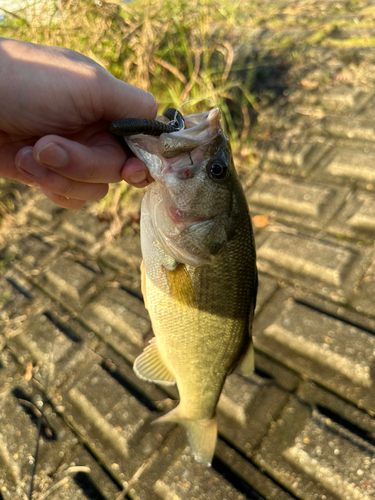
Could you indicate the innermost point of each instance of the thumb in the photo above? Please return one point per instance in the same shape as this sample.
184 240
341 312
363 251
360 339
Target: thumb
122 100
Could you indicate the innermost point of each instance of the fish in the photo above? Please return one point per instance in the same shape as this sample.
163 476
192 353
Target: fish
199 276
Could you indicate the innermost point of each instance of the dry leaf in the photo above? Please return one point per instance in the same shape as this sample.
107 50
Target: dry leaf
29 372
260 220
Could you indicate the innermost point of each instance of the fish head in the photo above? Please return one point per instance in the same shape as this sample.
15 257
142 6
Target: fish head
190 206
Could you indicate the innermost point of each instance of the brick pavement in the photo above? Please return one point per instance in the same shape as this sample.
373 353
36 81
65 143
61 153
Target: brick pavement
303 425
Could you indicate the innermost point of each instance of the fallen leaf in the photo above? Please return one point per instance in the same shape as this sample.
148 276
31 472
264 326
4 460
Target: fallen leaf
260 220
29 372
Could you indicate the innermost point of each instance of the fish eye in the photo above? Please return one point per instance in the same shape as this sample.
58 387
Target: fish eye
218 169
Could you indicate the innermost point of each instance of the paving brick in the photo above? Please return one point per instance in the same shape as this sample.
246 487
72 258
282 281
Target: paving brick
363 296
186 478
343 98
336 352
17 445
119 318
9 371
53 344
315 452
277 373
44 211
80 478
151 395
35 251
290 158
266 288
246 408
68 282
16 299
82 230
294 202
112 422
124 255
356 166
235 467
357 218
339 100
359 128
173 473
19 414
324 266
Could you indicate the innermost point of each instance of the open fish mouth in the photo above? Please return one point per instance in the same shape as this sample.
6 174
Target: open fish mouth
180 151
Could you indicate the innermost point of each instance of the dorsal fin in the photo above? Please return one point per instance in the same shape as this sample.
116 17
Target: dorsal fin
150 366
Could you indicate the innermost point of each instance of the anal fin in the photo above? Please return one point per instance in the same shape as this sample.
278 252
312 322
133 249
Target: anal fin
150 366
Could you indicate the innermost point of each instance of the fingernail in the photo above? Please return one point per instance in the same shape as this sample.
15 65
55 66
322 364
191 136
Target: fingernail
137 177
29 167
52 155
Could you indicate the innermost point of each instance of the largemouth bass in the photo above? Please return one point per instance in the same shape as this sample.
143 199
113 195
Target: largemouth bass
199 277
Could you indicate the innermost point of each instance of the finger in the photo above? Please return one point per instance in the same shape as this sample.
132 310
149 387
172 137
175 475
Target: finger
136 173
99 160
122 100
58 184
63 201
7 162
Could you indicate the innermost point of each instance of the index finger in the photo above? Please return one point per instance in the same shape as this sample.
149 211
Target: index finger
98 161
122 100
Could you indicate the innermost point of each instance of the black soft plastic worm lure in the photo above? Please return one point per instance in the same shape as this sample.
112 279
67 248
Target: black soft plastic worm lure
132 126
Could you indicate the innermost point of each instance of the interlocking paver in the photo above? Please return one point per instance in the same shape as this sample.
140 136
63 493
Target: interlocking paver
247 408
320 264
68 282
316 452
114 424
119 318
81 230
356 219
81 478
322 344
295 202
19 413
43 212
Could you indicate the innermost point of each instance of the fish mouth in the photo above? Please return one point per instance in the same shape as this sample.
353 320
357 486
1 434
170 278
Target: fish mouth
179 152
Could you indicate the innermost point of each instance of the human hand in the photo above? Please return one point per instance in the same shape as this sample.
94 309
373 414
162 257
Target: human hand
56 109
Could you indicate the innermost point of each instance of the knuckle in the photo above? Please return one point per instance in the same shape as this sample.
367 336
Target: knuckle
101 192
66 189
89 174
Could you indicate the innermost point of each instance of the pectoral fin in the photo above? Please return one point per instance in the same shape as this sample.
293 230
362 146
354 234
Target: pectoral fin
150 366
246 365
181 286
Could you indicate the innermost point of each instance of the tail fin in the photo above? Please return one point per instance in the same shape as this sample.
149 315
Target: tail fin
202 434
